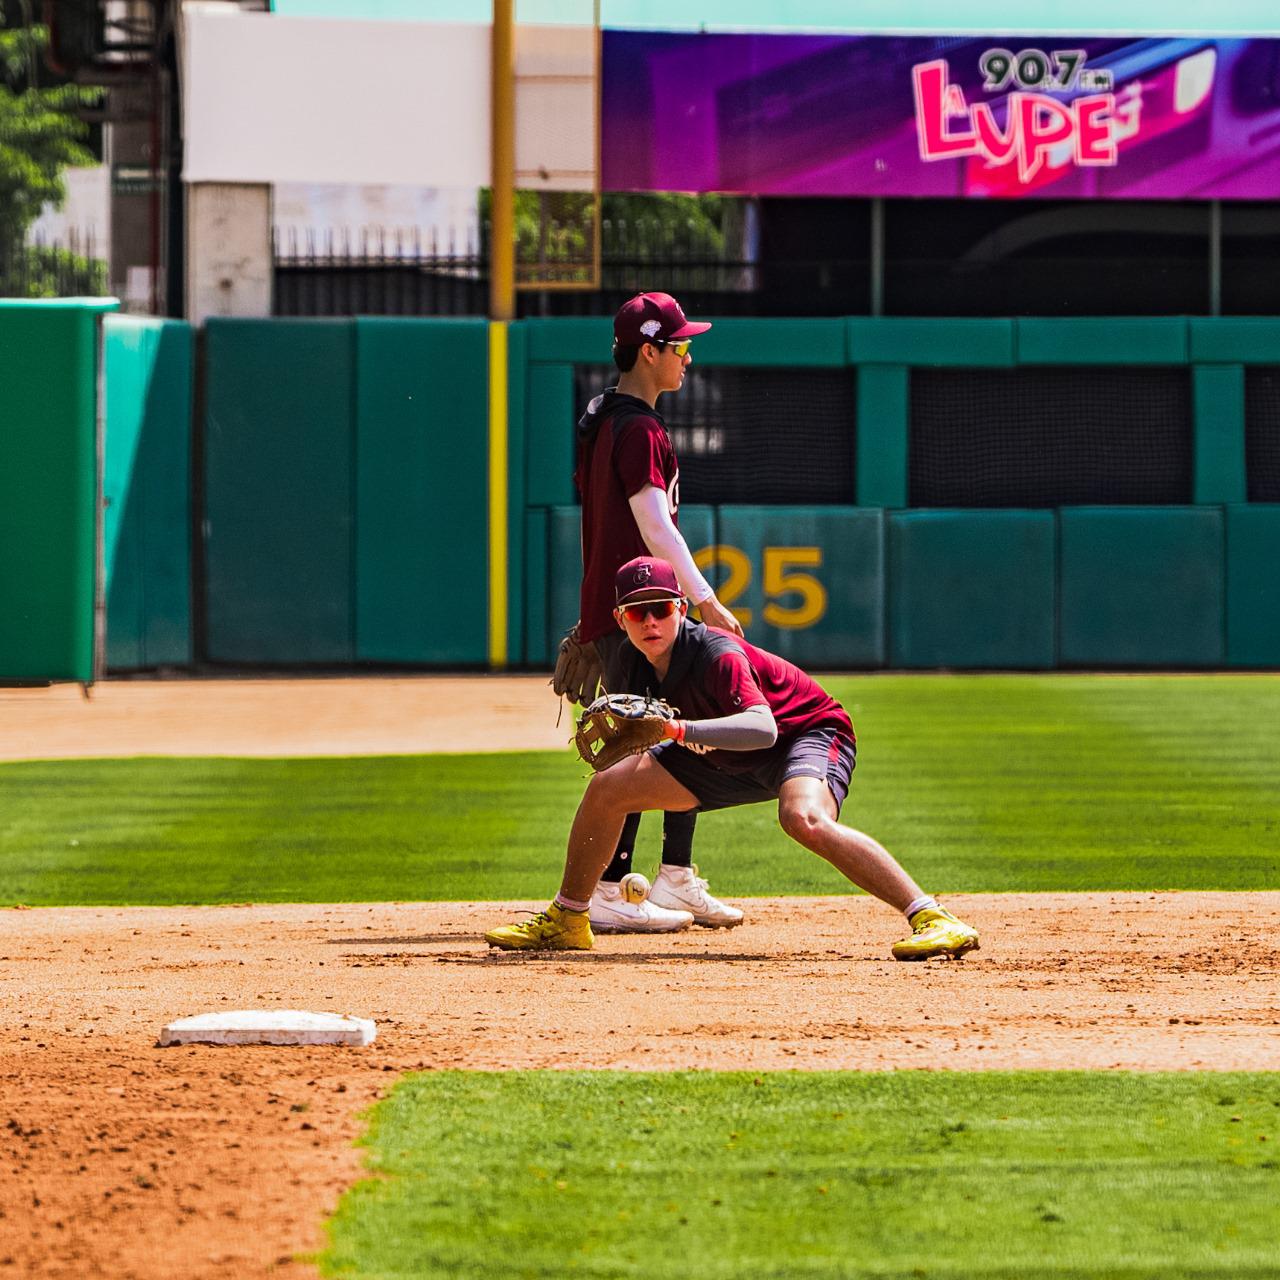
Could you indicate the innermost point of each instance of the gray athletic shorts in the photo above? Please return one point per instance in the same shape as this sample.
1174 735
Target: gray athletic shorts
828 754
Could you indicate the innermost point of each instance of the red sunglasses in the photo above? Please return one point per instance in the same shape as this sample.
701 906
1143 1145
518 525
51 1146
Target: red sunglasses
656 608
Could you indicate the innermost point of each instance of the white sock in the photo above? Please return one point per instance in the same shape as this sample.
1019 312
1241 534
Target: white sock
570 904
927 900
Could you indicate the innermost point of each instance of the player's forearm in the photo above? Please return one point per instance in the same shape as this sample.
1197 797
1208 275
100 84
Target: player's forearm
665 541
751 730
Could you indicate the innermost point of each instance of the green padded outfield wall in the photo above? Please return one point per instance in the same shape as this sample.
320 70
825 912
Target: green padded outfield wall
1253 585
278 491
147 491
806 583
1141 587
346 492
48 488
561 529
421 514
972 589
1114 587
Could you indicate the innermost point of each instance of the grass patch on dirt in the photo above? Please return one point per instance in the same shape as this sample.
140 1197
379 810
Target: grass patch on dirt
977 783
892 1176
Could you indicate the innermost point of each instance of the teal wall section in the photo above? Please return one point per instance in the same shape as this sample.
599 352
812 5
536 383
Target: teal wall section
972 589
900 340
537 649
698 525
1113 588
884 407
1253 586
517 488
1234 340
549 440
564 571
278 448
812 581
1103 341
1219 463
147 492
793 343
48 488
346 492
344 489
1141 587
871 17
554 595
421 491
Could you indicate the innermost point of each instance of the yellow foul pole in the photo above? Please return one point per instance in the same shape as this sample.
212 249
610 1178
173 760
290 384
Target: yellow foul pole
502 238
502 309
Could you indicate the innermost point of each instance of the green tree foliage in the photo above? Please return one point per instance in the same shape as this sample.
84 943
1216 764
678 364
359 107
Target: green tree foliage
554 229
40 134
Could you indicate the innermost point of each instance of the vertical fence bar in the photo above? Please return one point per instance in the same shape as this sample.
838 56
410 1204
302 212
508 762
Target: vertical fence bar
1215 257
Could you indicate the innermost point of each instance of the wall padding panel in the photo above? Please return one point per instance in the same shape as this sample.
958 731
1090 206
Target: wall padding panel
564 562
48 489
972 589
421 491
1141 587
278 440
147 491
808 581
1253 586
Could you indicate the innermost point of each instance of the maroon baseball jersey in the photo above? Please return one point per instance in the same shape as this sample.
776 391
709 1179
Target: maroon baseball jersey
622 446
714 673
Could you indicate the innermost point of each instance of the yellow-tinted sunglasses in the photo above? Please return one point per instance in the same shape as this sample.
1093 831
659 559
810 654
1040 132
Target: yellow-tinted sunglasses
681 348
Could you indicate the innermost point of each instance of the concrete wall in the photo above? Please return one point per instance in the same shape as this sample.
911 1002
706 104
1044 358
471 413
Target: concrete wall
228 250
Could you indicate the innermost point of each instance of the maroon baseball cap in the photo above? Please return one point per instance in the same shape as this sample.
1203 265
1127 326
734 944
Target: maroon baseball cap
648 578
653 317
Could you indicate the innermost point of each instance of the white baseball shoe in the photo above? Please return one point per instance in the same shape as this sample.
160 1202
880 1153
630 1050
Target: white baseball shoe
682 889
610 912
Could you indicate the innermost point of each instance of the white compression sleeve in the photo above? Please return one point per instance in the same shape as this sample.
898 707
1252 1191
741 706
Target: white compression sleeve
749 730
664 540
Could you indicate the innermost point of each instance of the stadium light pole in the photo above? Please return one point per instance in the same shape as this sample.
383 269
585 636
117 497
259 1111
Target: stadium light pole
502 230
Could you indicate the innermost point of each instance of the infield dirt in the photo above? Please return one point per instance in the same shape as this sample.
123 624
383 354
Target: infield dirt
122 1159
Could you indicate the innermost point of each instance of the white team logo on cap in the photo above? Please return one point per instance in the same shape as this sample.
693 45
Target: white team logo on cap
642 574
650 327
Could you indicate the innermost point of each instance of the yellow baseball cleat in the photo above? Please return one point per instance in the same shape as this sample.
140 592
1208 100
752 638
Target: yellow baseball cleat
555 929
936 932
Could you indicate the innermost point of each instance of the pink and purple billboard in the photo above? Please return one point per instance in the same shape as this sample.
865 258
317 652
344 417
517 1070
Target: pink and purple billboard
1006 117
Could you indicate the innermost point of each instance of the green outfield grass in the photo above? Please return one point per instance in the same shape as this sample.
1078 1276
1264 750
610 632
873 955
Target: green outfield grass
909 1175
978 783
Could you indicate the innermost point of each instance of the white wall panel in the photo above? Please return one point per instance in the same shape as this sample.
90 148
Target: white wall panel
268 98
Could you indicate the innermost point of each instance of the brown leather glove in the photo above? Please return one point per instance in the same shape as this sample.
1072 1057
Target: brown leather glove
578 669
617 725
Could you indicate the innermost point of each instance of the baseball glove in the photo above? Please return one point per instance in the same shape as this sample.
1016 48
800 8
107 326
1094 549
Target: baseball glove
617 725
578 669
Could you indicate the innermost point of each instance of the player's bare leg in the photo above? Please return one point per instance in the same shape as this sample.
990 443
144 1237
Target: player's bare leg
634 785
631 786
807 812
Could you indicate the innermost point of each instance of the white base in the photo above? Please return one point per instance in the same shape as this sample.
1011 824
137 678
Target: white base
269 1026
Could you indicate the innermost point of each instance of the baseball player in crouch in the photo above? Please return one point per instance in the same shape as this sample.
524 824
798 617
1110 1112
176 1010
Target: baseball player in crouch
757 728
629 481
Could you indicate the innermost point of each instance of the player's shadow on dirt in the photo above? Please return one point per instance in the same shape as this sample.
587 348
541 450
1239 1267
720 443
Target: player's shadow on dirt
604 957
412 939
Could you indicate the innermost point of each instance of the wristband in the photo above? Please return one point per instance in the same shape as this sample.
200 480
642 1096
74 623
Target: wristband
675 730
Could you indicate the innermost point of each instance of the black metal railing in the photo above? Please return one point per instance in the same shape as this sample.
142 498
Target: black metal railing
376 271
65 268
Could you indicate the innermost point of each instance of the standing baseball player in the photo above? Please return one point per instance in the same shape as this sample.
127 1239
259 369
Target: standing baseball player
629 481
758 728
